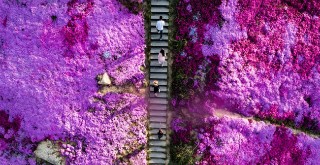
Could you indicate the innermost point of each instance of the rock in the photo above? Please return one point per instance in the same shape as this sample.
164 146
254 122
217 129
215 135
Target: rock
48 151
105 79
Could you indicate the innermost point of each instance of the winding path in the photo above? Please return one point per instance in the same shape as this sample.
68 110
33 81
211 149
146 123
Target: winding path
157 149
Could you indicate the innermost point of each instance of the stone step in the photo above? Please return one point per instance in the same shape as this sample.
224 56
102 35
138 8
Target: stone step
159 70
156 17
158 101
157 155
158 119
158 113
157 149
160 95
158 76
159 43
158 143
158 125
162 89
157 50
157 107
155 31
155 137
156 37
159 3
159 9
161 82
155 63
155 131
154 23
157 161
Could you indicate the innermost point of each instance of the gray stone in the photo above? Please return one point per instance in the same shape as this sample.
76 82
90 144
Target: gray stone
158 113
158 101
156 37
158 125
158 69
105 79
49 151
158 119
157 149
159 3
159 43
160 95
157 161
158 107
159 9
157 143
157 155
158 75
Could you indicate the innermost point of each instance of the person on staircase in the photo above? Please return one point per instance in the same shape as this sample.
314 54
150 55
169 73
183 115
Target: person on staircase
162 57
159 26
160 133
156 88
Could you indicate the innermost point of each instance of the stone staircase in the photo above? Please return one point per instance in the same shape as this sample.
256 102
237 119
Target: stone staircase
157 151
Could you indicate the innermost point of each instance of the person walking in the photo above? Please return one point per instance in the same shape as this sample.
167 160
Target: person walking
160 133
156 88
159 26
162 57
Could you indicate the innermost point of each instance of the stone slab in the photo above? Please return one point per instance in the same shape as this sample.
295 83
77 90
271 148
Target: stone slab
159 9
157 161
158 143
160 43
157 155
158 125
160 95
158 101
158 113
158 119
158 107
157 149
159 3
156 37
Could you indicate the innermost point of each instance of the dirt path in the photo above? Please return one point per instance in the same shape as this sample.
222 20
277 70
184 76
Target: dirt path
123 89
224 113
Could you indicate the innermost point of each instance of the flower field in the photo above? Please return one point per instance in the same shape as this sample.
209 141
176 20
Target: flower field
241 141
258 59
50 55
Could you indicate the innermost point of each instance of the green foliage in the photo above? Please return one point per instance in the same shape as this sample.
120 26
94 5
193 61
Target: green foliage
178 45
307 126
180 84
182 153
134 7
